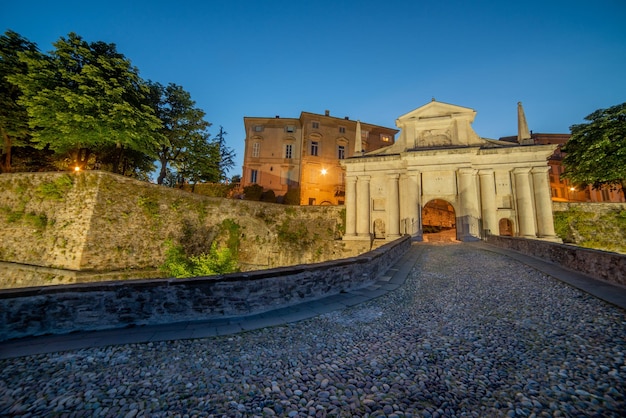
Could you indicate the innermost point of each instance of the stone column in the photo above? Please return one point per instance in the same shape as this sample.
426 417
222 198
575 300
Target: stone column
363 207
350 206
470 213
410 200
543 203
488 201
524 200
393 207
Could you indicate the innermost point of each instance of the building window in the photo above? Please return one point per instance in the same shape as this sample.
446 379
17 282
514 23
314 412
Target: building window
288 150
313 175
256 148
314 148
258 128
315 125
253 176
341 152
365 135
290 129
342 129
385 138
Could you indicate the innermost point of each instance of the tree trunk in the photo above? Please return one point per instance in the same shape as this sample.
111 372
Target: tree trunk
118 159
163 171
5 166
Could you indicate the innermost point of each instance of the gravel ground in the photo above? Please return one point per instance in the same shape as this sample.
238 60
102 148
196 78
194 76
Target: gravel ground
471 333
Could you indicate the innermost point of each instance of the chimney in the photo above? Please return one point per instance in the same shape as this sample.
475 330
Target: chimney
277 117
327 112
347 118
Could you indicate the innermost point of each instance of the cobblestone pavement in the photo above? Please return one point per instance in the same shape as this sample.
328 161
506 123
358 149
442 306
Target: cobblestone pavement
471 333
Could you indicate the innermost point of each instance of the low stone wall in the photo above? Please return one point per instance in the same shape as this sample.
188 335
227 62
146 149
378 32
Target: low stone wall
95 306
601 265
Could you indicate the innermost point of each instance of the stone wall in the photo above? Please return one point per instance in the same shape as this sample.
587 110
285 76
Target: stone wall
97 222
94 306
601 265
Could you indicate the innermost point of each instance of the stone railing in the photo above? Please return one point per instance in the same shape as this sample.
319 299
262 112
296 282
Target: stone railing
95 306
598 264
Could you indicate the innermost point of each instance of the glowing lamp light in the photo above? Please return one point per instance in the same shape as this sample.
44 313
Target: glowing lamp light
324 171
572 188
77 169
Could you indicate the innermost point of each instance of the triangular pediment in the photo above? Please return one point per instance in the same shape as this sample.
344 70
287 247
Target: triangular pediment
436 109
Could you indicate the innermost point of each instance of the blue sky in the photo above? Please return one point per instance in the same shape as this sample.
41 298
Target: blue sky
369 60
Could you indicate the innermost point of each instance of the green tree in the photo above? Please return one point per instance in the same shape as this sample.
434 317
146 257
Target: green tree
13 117
226 154
84 98
183 125
596 151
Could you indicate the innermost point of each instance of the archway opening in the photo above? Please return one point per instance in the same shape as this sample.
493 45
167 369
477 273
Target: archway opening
438 221
505 227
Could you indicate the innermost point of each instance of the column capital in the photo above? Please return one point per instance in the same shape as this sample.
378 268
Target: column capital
364 178
392 176
486 172
540 169
521 170
467 171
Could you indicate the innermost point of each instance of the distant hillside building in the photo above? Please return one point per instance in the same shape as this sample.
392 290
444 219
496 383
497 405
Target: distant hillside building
561 189
304 153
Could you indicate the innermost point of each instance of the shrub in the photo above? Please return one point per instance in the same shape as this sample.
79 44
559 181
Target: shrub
217 261
252 192
268 196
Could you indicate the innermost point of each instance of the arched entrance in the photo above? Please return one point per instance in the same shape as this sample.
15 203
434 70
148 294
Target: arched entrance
505 227
438 221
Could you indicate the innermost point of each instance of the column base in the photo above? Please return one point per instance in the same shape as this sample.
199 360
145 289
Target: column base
551 238
356 238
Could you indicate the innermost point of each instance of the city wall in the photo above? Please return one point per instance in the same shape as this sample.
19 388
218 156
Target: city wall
95 306
602 265
61 228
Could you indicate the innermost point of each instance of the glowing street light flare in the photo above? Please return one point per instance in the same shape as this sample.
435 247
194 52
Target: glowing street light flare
324 171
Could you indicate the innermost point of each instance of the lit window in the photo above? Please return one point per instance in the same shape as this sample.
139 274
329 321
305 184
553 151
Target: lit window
256 148
314 148
385 138
342 129
288 150
253 176
315 125
341 152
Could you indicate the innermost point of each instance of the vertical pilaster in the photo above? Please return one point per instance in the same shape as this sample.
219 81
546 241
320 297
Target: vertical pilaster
350 206
524 200
393 207
543 202
363 207
470 213
488 201
410 193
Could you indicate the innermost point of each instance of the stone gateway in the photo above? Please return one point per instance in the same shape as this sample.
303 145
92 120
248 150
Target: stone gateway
492 187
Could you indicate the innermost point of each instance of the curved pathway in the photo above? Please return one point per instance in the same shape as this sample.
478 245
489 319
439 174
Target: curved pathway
470 333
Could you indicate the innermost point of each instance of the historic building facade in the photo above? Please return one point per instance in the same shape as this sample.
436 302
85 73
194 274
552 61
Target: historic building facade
304 154
562 190
440 163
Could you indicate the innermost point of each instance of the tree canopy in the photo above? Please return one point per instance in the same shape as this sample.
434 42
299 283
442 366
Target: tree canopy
13 117
83 104
183 125
86 97
596 151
